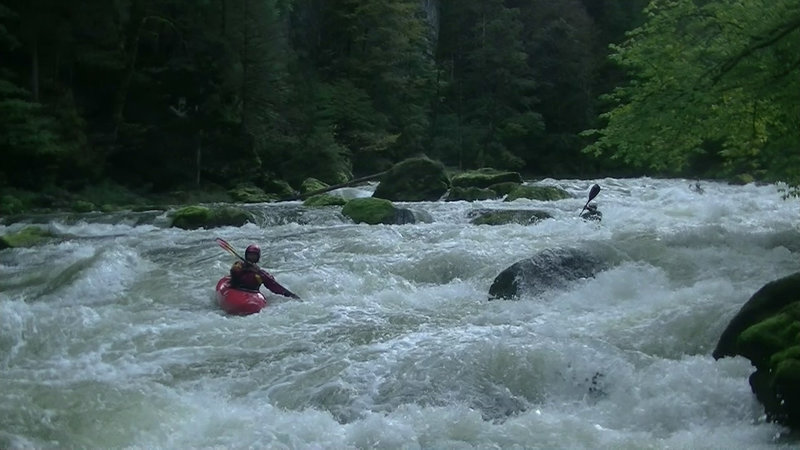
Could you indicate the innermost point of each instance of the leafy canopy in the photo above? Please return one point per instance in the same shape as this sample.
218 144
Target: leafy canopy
709 78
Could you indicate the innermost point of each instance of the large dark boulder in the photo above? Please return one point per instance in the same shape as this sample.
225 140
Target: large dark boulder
550 269
764 304
414 180
766 330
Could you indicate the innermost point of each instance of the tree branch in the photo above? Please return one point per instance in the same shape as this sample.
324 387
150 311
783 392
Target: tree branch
777 35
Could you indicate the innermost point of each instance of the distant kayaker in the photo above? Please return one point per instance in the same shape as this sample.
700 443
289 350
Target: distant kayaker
592 213
247 275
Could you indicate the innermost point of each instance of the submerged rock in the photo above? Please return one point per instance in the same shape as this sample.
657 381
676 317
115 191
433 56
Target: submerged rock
470 194
324 200
374 211
193 217
550 269
506 216
766 330
371 211
484 178
26 237
543 193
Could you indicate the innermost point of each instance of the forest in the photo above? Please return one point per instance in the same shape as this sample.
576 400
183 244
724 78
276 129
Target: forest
164 95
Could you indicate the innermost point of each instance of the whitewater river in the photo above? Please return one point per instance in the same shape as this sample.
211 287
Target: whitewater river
109 335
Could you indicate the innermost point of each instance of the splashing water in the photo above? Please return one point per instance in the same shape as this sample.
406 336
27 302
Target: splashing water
109 336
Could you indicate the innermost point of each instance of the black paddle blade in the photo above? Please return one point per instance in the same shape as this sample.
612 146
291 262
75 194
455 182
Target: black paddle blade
592 194
594 191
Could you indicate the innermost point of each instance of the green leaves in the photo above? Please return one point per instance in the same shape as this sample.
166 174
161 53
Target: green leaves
724 72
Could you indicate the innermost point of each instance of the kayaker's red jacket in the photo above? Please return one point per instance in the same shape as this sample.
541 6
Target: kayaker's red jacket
251 277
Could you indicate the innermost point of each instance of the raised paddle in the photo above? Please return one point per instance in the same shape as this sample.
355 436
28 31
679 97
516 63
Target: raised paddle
227 247
592 194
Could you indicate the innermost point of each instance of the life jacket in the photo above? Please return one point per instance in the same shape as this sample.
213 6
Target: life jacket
246 276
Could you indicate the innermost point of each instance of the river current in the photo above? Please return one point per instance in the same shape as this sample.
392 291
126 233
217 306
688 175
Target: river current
110 338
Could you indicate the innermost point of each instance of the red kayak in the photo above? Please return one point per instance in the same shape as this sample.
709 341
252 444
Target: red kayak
238 301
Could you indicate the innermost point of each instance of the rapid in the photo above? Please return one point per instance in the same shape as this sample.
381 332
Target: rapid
110 338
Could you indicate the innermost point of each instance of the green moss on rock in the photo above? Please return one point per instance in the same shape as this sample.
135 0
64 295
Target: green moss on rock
370 210
280 188
504 188
26 237
312 185
485 177
768 301
193 217
543 193
324 200
470 194
250 194
767 332
770 336
82 206
786 366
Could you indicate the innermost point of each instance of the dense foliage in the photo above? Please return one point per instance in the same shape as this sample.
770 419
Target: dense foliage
715 87
176 93
162 94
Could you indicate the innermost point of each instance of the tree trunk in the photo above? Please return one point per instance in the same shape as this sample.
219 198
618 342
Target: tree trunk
131 50
35 67
199 157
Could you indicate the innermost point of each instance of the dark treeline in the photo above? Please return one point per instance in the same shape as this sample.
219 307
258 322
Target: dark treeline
160 94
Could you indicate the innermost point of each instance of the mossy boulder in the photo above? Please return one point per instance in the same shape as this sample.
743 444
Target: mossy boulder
504 188
324 200
312 185
250 194
414 180
371 211
766 330
485 177
543 193
83 206
506 216
278 187
194 217
470 194
26 237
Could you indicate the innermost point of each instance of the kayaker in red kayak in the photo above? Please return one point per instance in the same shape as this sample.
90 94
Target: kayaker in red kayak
247 275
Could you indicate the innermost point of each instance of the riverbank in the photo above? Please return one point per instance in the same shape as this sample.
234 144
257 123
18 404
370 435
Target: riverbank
104 197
